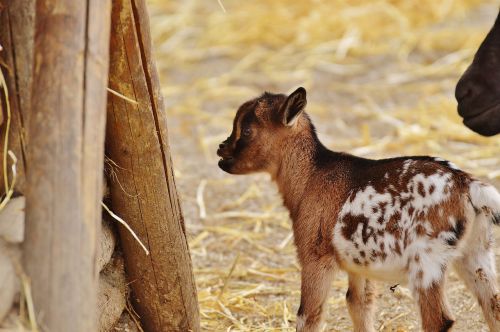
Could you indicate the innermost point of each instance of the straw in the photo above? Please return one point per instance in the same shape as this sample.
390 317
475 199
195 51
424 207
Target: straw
131 231
380 77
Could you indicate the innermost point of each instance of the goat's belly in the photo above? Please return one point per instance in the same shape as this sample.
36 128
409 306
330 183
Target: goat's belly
392 270
388 258
373 260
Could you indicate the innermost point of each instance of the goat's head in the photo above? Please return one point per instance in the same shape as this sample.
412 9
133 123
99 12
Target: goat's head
260 127
478 90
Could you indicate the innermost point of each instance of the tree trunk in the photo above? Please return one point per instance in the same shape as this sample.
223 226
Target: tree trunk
144 192
65 158
16 59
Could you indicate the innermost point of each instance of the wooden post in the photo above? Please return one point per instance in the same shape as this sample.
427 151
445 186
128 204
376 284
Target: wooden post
16 38
64 158
164 291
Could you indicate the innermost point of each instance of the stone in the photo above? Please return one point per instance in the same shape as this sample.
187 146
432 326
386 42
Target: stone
12 220
112 294
9 285
125 324
107 243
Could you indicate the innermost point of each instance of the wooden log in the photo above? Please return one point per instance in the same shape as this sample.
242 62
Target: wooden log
164 291
16 60
65 158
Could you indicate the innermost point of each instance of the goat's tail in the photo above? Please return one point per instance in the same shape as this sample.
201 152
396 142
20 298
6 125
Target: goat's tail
485 197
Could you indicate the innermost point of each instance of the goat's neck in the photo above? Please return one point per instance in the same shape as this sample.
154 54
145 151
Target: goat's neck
295 169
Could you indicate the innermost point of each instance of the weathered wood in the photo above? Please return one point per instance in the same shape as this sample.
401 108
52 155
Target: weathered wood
16 60
164 291
64 154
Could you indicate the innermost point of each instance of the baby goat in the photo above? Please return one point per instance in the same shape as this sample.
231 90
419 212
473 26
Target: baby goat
402 220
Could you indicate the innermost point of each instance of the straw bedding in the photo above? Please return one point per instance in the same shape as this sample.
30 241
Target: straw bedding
380 77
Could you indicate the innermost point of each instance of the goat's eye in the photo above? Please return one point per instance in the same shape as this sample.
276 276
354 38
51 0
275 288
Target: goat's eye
246 132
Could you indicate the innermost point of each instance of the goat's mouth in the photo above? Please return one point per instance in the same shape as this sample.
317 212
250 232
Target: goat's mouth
225 163
226 159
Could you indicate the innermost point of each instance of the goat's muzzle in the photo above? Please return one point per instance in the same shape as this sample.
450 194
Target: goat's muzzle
227 160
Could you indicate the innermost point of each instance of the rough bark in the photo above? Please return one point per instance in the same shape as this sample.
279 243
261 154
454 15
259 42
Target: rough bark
16 59
164 291
65 152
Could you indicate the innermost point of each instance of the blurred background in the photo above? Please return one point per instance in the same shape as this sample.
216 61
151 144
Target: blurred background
380 77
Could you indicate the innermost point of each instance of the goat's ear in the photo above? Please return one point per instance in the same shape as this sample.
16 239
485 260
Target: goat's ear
293 106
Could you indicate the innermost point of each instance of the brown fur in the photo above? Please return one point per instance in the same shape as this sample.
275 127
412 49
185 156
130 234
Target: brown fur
272 134
434 309
360 299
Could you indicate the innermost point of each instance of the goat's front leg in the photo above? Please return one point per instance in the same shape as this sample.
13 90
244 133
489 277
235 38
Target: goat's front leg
361 303
316 281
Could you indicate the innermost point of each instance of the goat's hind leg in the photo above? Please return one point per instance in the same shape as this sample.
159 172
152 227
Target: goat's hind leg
361 303
433 307
477 270
427 285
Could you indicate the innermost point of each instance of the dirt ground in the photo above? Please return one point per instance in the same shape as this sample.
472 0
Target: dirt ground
394 99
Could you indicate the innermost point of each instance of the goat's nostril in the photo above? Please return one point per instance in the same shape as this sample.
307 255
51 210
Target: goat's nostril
222 145
466 90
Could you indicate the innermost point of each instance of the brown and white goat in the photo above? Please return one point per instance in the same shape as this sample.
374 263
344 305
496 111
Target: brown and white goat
402 220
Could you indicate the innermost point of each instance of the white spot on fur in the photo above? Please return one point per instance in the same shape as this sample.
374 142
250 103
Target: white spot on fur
484 196
448 163
406 166
433 256
440 182
392 255
363 202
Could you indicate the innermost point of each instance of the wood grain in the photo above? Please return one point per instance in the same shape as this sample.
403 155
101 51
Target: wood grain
65 157
164 291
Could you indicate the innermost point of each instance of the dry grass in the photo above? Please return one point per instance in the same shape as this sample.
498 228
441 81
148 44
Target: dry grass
26 317
9 190
380 76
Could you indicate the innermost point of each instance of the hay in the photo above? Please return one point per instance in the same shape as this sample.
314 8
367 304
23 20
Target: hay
6 152
28 300
127 227
116 93
380 77
5 90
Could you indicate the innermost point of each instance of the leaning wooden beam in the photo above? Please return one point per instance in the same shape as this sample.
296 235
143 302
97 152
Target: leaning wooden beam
144 192
16 59
64 158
